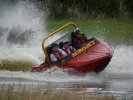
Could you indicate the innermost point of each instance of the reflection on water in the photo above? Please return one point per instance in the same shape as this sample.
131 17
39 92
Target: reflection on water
120 88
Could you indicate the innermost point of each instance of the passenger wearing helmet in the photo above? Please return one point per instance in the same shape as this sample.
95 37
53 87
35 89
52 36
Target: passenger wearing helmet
78 40
57 54
67 48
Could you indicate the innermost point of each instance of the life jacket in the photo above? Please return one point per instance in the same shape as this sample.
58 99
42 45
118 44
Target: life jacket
58 55
68 50
80 41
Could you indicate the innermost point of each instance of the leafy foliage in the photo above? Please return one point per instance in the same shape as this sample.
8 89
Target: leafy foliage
89 8
84 9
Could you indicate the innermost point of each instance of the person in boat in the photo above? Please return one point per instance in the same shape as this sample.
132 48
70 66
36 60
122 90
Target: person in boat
78 39
67 48
57 53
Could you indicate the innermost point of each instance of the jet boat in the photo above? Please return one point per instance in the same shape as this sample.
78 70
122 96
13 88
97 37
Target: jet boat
95 55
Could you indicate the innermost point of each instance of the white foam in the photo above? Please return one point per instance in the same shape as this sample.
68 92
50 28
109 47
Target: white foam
23 16
121 63
34 55
52 75
122 60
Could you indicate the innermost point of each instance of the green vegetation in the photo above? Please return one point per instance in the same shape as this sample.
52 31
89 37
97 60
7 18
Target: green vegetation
49 94
15 65
86 9
114 31
82 9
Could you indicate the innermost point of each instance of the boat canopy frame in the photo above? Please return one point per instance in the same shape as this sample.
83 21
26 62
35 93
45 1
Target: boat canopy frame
53 33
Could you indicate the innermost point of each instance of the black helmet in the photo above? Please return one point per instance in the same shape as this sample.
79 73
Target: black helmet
54 45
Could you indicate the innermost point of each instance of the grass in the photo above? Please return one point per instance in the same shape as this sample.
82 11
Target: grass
15 65
10 93
115 31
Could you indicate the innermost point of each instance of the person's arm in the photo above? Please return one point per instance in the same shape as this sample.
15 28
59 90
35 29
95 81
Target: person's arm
53 58
63 52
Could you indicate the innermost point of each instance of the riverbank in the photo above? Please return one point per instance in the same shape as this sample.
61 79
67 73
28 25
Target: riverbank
114 31
15 65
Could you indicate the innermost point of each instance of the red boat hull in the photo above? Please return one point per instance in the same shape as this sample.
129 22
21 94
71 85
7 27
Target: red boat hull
94 58
96 67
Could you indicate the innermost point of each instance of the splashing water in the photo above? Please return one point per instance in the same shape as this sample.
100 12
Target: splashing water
120 66
21 24
21 29
121 62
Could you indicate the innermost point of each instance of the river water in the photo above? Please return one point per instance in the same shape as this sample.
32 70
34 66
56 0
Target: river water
116 79
17 23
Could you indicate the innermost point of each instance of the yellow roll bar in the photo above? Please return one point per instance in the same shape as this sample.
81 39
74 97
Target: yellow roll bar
52 33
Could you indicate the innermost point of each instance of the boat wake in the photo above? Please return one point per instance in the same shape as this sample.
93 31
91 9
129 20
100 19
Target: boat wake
119 67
